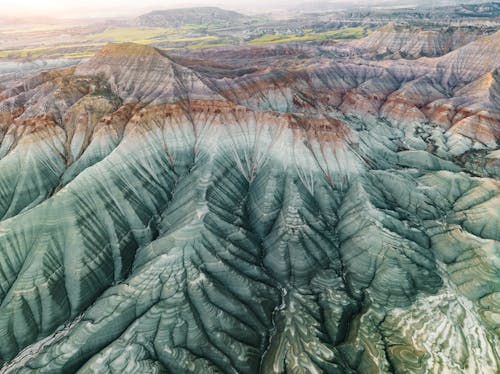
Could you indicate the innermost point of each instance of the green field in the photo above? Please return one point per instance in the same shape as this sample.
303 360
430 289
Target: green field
348 33
186 37
189 36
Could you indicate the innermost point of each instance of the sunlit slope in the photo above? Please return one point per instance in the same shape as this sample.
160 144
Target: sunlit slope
180 232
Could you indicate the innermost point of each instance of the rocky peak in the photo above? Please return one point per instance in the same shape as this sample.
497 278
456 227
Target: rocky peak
143 73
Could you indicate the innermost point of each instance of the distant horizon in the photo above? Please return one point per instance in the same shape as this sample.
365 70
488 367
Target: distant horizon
70 9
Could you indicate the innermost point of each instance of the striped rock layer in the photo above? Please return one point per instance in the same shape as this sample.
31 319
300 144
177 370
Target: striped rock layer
191 215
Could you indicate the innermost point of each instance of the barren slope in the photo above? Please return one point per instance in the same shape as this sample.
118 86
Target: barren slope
161 218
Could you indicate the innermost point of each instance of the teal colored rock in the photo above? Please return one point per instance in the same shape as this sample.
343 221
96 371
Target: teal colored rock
153 225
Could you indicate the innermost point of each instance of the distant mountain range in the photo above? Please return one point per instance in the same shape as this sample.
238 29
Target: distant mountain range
330 6
188 16
342 10
418 11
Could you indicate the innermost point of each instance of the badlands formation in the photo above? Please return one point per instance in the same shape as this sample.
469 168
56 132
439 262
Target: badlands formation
293 208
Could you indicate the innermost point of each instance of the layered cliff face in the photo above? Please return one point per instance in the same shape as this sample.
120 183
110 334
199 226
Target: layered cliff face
161 217
392 41
336 79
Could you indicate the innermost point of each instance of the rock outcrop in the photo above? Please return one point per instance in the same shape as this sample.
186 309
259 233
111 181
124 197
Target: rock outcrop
393 41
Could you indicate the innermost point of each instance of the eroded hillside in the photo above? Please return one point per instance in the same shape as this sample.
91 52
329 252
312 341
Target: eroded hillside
252 209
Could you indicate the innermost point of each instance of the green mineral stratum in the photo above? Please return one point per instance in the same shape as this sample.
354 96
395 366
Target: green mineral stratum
192 215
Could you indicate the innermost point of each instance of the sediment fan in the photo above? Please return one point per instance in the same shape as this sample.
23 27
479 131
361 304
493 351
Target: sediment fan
333 216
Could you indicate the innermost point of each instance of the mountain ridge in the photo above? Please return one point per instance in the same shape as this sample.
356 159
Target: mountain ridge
178 17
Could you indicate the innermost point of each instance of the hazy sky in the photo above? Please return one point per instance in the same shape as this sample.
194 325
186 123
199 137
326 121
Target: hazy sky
109 8
78 8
